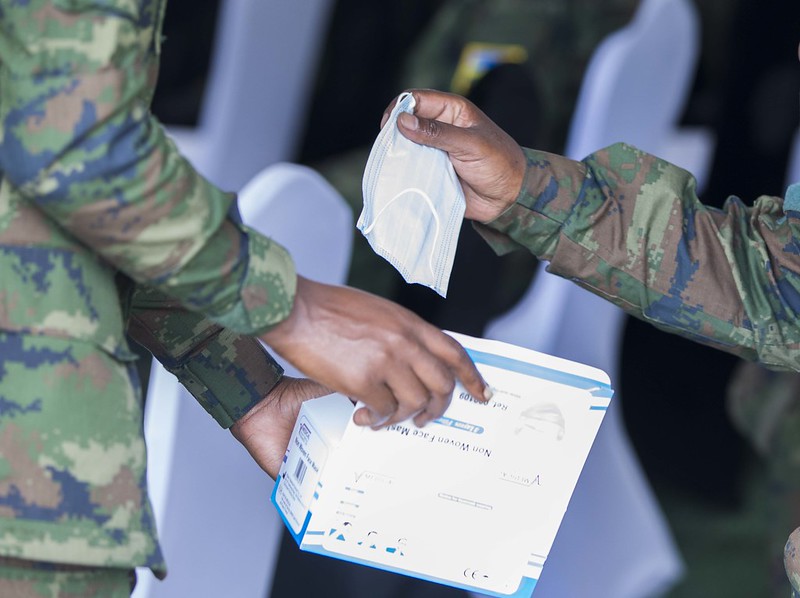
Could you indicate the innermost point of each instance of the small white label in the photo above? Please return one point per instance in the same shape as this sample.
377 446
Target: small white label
299 475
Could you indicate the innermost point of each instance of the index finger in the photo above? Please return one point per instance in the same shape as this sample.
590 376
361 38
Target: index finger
455 356
445 107
437 105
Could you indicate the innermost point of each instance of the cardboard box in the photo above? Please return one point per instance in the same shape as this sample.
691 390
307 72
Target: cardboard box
473 500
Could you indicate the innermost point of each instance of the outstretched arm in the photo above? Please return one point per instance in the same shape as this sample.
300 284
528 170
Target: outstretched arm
629 227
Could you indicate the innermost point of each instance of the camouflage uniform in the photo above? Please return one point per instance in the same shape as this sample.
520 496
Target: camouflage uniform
30 579
629 227
102 223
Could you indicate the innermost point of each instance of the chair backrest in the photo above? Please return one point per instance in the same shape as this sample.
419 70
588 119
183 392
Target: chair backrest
262 68
633 91
218 531
298 208
638 80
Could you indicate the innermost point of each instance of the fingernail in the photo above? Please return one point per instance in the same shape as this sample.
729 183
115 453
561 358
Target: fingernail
488 393
421 419
377 420
409 121
361 419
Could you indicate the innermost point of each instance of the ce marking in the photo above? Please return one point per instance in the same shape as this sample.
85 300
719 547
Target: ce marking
474 574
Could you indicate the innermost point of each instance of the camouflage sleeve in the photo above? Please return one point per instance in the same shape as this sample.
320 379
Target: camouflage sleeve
79 142
629 227
226 372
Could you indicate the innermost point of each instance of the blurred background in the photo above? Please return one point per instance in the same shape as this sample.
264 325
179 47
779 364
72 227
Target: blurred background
523 63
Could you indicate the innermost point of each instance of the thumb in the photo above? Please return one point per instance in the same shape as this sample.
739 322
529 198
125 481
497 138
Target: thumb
434 133
364 416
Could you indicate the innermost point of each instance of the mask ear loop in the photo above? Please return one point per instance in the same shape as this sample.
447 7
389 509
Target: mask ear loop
396 111
429 203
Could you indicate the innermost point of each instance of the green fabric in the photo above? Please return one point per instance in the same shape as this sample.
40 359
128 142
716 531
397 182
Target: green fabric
629 227
25 579
102 219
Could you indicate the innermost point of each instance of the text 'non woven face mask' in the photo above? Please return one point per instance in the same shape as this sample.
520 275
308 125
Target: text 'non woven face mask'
413 205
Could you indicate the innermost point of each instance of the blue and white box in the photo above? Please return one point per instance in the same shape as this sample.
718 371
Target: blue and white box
472 500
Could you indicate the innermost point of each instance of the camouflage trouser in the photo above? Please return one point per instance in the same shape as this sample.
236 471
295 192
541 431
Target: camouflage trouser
28 579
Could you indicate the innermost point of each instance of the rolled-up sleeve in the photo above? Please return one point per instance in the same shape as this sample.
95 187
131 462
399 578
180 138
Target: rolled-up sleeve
629 227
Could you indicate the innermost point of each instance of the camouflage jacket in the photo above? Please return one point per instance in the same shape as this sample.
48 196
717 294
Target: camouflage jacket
103 223
629 227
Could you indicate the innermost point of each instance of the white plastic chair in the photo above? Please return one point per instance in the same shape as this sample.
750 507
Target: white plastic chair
637 83
262 67
218 530
298 208
614 532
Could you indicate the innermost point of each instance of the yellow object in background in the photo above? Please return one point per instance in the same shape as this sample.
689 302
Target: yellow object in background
477 58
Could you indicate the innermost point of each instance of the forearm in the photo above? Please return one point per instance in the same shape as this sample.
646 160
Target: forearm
629 227
81 145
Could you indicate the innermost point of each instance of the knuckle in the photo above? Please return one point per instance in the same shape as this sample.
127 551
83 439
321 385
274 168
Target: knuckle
380 358
445 387
416 404
438 409
455 352
363 381
387 408
430 128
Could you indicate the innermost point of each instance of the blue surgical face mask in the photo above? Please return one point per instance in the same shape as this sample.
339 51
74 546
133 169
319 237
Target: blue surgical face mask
413 205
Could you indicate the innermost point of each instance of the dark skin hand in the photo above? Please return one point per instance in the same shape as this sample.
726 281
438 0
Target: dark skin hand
491 167
375 351
488 162
265 429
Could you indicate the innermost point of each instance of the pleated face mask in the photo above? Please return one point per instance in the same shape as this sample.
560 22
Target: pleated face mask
413 205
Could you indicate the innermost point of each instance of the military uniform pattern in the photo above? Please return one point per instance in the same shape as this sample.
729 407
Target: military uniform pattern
228 373
103 225
21 579
81 149
629 227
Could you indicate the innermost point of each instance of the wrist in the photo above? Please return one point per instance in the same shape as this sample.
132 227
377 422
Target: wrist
239 427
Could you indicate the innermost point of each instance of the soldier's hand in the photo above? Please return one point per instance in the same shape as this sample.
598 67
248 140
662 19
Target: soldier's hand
375 351
265 429
489 163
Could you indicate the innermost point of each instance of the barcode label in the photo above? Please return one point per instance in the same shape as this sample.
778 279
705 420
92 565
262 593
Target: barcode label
300 471
296 488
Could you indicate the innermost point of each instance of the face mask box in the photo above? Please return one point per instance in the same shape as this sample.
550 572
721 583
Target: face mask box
472 500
